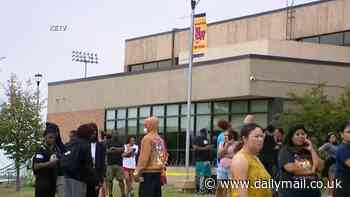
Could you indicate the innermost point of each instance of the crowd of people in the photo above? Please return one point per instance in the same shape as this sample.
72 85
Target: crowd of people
88 164
265 154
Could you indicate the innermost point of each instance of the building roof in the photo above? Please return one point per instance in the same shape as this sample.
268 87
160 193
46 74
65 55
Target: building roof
232 19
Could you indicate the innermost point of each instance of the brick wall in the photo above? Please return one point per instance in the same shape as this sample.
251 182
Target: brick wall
68 121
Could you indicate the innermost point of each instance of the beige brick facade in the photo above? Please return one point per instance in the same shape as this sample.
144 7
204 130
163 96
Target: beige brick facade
68 121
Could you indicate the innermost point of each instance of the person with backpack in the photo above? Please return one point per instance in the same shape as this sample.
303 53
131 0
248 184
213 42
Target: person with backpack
78 165
45 167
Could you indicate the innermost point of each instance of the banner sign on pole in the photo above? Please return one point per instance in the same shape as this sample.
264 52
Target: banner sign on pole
199 35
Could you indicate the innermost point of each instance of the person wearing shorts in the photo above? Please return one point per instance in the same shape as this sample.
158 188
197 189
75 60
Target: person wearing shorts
114 165
129 163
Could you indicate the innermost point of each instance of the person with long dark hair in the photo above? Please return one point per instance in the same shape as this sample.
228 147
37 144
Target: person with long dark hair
59 150
246 165
45 165
342 157
298 161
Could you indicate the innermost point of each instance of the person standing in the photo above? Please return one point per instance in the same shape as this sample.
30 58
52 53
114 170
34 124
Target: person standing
98 153
343 162
129 163
152 160
202 149
246 165
268 153
226 152
114 164
77 164
45 167
298 161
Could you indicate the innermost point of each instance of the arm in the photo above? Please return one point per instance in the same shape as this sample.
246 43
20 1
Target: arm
347 163
222 150
239 171
145 153
316 160
48 164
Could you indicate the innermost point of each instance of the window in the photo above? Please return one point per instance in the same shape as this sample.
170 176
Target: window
237 121
110 125
203 121
132 127
137 67
347 39
158 110
311 40
164 64
221 107
110 115
184 109
333 39
261 119
145 112
239 107
203 108
149 66
132 112
258 106
121 113
172 110
172 125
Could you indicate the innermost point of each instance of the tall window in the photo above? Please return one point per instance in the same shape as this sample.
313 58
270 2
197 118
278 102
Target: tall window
110 120
121 124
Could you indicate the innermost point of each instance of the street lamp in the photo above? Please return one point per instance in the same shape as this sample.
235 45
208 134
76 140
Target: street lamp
38 78
78 56
194 3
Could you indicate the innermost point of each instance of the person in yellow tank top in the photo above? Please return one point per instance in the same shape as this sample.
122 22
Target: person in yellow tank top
246 166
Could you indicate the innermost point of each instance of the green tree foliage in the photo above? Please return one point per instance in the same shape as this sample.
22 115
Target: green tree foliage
316 111
19 121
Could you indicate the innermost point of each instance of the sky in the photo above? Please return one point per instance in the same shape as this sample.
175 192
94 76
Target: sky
97 26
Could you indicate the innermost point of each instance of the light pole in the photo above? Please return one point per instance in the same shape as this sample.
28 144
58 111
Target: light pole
78 56
38 78
194 3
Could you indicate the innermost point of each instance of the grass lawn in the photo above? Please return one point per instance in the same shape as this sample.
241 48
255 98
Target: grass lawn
9 191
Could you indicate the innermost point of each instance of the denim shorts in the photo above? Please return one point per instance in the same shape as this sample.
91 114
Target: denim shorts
223 173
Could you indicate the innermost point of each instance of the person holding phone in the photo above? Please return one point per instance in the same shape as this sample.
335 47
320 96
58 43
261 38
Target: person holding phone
299 161
129 163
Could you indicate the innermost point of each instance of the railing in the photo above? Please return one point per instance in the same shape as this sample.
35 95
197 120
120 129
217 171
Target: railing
9 172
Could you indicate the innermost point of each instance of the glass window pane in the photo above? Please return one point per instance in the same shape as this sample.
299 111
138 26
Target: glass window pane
184 124
333 39
110 114
132 127
221 107
110 125
259 106
239 107
184 109
141 125
134 68
172 110
145 112
347 39
161 125
121 113
121 124
237 121
289 106
202 122
150 66
217 119
158 110
132 112
164 64
203 108
261 119
172 132
311 40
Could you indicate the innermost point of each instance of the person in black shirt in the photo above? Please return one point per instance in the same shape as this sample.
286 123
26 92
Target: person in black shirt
342 157
202 149
98 153
114 164
44 167
268 153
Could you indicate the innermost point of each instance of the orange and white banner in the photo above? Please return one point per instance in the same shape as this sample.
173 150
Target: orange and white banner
200 35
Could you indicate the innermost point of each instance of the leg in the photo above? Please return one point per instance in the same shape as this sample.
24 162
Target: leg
127 181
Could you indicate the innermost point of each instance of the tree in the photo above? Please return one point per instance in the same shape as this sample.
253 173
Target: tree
313 109
19 119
